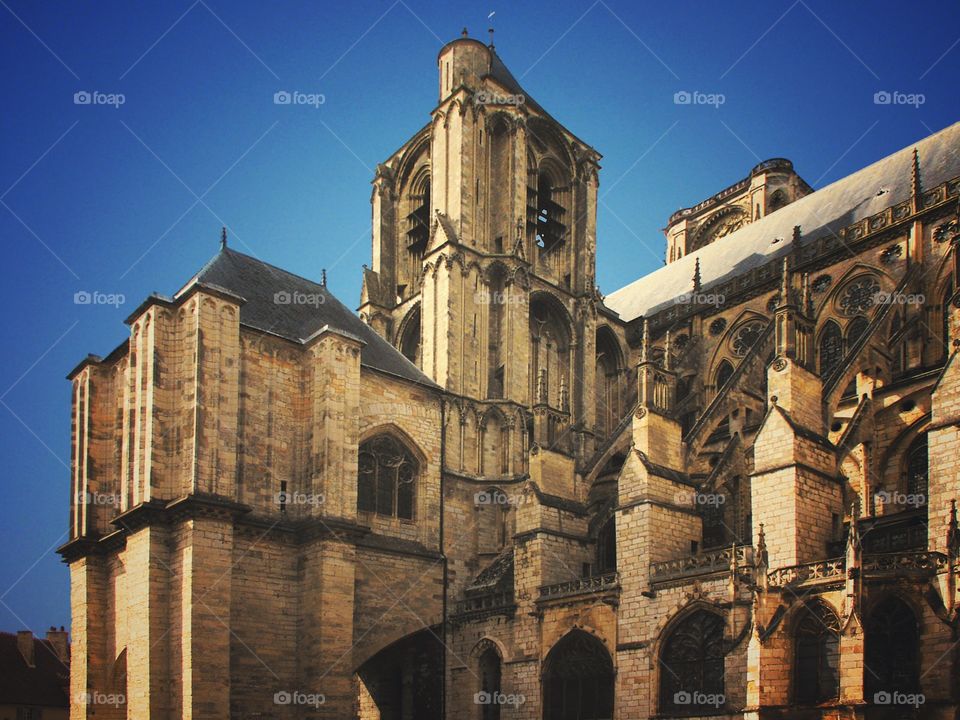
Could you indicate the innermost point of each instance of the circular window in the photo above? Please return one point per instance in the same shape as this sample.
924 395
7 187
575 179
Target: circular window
859 296
745 337
718 326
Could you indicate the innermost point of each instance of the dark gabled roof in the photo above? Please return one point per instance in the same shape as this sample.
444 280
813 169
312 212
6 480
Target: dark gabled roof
262 285
663 471
45 684
802 431
496 577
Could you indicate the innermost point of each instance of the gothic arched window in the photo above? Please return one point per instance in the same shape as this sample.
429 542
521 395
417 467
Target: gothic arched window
608 401
816 672
578 679
855 329
831 347
550 214
607 547
386 478
918 470
724 371
892 649
409 340
490 678
691 664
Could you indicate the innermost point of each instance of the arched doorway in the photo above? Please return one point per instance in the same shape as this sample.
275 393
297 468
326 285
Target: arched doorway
578 679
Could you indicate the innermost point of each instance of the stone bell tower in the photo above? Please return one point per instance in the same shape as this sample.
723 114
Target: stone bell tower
484 238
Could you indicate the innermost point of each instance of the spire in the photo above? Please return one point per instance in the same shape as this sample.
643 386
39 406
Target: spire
645 354
490 30
762 556
696 276
666 352
323 277
464 33
761 560
542 386
223 238
785 284
916 185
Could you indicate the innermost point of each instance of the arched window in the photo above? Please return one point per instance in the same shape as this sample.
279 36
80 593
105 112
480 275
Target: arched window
550 350
409 340
917 470
855 329
831 347
418 220
724 371
387 475
691 664
816 676
550 214
607 393
578 679
892 649
607 547
490 679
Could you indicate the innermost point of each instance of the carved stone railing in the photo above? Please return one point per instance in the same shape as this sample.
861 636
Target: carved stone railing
485 604
593 585
922 562
820 571
704 563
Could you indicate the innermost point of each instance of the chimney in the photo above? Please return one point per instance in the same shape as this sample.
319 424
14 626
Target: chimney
25 646
60 642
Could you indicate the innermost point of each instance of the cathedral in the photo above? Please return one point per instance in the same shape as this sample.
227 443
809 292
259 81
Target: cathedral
726 490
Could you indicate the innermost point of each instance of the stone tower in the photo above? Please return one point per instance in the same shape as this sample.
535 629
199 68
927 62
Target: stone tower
484 240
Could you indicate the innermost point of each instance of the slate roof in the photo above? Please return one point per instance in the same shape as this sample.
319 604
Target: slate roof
44 684
857 196
258 284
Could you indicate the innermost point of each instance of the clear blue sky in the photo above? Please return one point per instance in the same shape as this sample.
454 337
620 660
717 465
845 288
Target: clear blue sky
104 198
